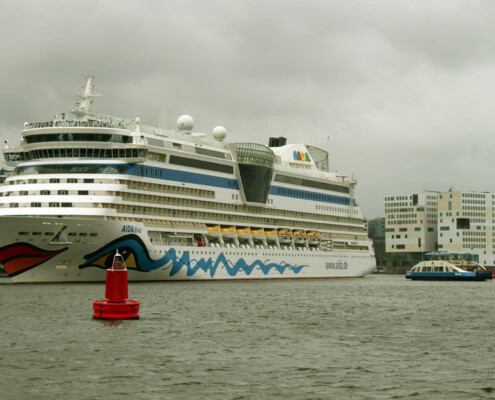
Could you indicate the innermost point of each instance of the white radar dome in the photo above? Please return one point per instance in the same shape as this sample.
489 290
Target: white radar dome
219 133
185 123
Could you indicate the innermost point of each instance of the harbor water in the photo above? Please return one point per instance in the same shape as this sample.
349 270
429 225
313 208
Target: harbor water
380 337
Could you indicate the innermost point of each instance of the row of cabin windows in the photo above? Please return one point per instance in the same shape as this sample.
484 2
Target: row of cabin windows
37 204
77 153
52 180
432 269
78 137
301 194
92 234
59 192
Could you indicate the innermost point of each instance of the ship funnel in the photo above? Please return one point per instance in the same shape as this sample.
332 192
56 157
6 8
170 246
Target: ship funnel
277 142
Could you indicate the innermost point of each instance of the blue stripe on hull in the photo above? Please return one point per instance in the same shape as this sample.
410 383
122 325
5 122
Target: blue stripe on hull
218 181
446 276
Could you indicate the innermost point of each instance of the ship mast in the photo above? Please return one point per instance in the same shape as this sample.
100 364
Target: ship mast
85 96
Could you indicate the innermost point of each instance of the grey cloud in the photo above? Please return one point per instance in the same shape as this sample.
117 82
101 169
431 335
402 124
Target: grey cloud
399 92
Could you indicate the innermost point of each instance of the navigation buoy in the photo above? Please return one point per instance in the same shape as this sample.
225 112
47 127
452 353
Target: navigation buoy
116 305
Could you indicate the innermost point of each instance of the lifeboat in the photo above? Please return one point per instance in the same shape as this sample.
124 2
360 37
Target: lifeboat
314 235
257 233
299 236
284 235
214 230
228 231
271 234
243 231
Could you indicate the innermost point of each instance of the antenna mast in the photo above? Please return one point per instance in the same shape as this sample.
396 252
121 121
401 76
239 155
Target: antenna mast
85 96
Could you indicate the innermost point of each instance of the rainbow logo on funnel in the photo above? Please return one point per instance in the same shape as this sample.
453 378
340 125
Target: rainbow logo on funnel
300 156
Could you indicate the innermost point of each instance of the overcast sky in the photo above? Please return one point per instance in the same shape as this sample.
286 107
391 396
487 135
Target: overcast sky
400 93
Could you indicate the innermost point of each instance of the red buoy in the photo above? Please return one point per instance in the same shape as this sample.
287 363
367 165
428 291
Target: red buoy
116 305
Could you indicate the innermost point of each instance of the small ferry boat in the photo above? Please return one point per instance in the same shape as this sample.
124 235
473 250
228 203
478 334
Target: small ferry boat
449 266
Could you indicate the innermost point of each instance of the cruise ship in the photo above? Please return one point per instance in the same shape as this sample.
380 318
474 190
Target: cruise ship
177 204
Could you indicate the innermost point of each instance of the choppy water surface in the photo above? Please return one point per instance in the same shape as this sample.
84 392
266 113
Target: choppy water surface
381 337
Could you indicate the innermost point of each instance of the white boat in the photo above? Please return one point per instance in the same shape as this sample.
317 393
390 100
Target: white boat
449 266
177 204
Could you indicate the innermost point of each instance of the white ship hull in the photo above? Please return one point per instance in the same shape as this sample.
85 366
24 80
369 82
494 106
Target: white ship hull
177 204
29 254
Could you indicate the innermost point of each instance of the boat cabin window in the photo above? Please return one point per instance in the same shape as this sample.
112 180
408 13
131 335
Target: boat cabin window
426 269
438 269
78 137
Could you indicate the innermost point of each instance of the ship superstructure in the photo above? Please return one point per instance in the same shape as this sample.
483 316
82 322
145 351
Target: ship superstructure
177 204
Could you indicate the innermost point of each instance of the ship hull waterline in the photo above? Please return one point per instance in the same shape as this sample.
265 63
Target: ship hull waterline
30 254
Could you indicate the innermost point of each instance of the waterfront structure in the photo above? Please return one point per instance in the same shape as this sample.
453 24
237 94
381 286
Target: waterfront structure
411 223
466 223
176 204
452 221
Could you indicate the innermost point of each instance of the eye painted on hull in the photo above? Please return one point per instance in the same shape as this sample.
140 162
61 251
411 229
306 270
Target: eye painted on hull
106 260
17 258
132 249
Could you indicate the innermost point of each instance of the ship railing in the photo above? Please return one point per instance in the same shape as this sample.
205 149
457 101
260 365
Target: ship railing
76 124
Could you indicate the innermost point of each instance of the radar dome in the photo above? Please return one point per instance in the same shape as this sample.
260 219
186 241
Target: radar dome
219 133
185 123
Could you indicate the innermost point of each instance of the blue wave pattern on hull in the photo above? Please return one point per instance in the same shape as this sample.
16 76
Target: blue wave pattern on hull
207 265
136 257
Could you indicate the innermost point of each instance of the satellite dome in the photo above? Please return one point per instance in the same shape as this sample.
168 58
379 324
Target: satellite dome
185 123
219 133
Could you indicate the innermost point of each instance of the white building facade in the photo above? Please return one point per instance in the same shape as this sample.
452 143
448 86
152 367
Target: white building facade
466 223
411 223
